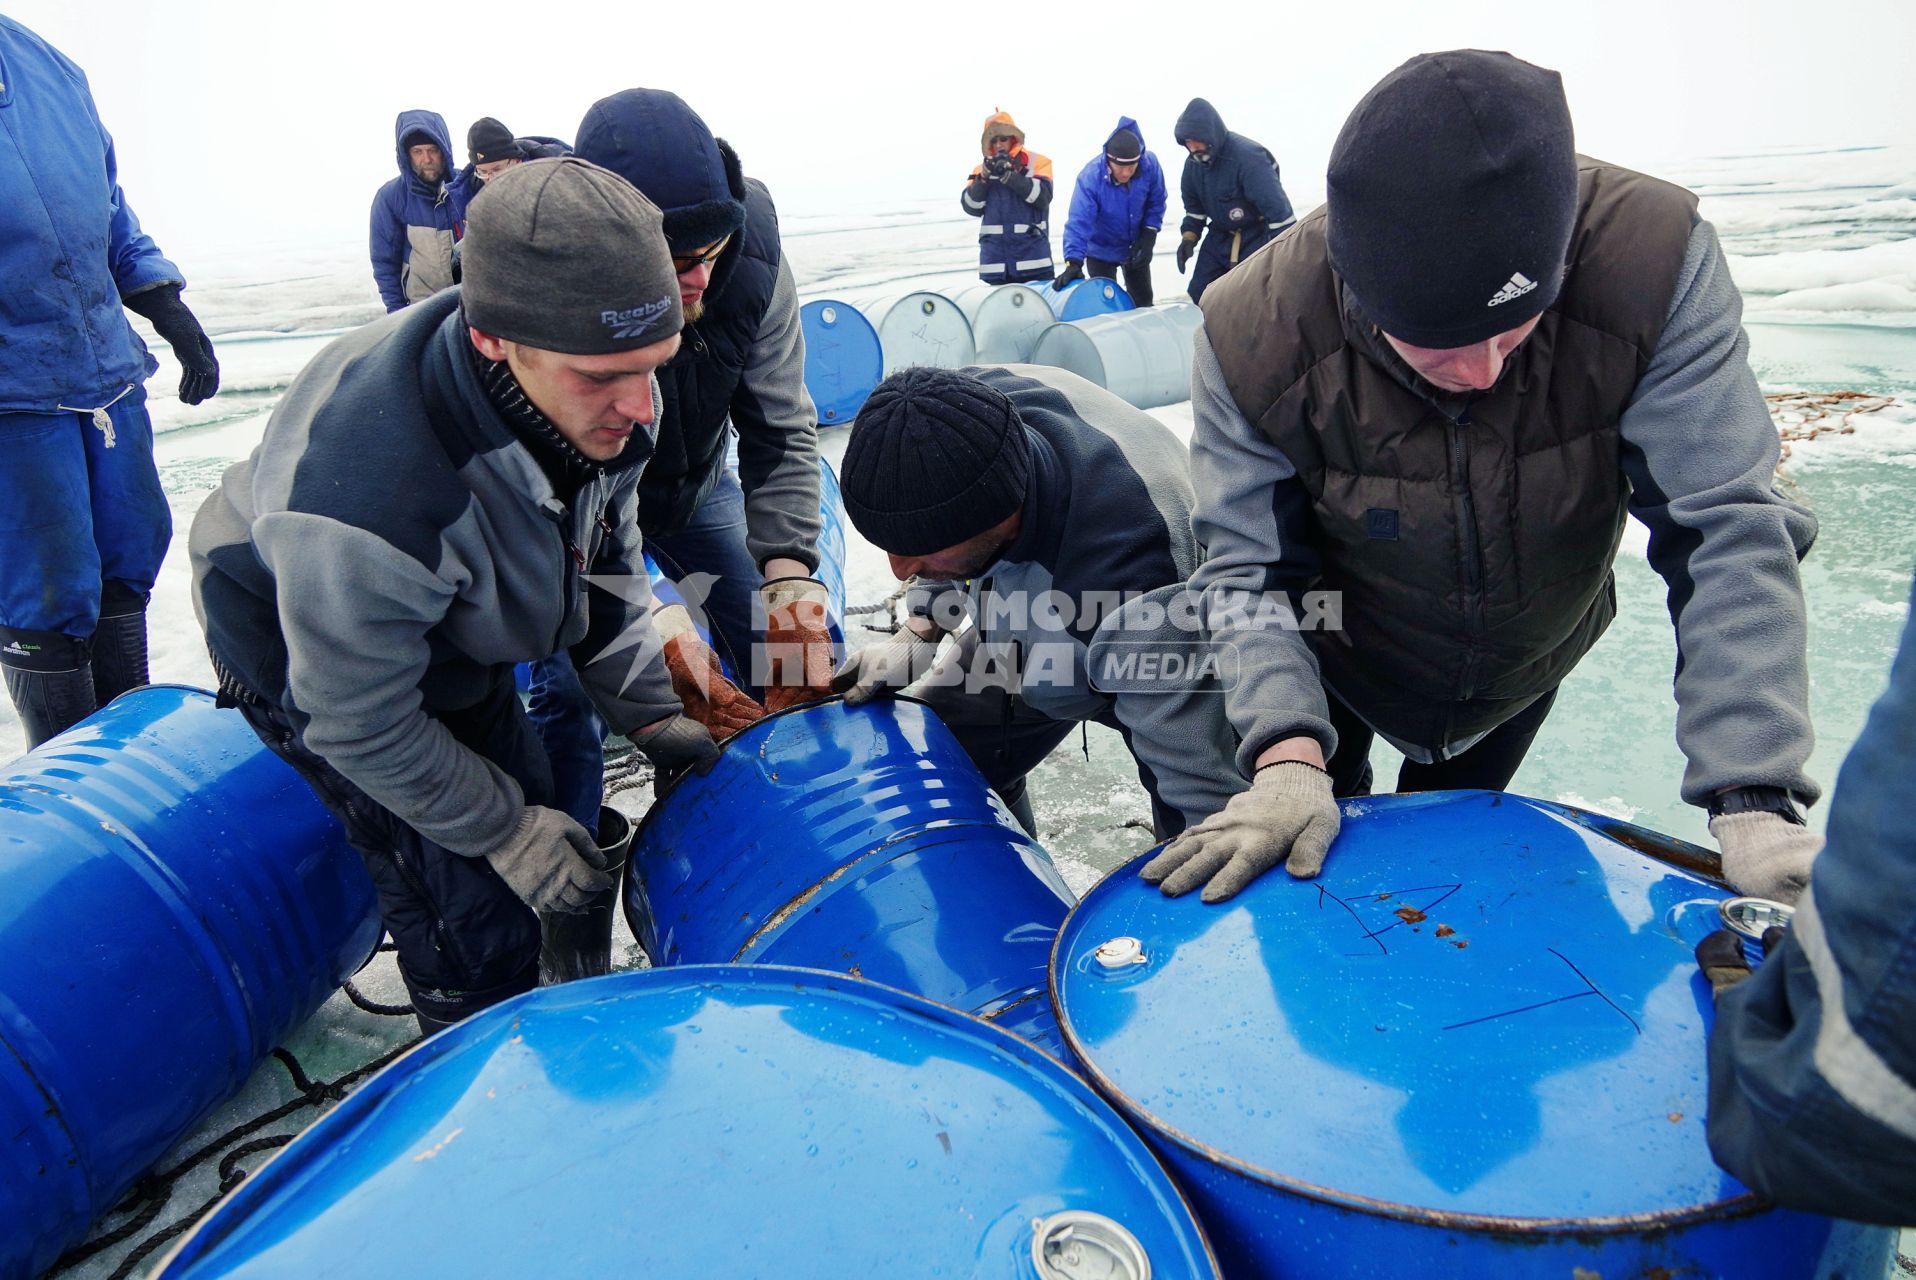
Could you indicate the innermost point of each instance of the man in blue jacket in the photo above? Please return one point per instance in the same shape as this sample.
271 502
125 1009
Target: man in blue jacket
1813 1060
83 521
416 216
1231 186
1116 212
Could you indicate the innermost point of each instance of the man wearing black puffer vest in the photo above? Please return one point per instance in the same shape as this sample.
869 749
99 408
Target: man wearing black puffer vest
1441 396
739 376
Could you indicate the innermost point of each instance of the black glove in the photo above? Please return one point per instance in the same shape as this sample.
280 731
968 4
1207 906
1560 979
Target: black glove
1141 249
1073 271
998 168
1186 247
199 371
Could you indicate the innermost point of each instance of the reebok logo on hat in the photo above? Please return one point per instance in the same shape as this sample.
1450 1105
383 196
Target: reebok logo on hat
634 321
1519 285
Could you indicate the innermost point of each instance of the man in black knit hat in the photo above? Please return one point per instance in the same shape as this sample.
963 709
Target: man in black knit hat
1441 395
746 535
1047 526
423 512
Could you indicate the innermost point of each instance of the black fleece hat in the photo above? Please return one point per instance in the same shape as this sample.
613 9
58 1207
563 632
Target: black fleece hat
1453 195
1124 147
488 140
653 140
936 457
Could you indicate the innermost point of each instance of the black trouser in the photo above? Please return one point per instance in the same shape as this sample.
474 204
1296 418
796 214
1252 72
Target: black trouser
464 940
1137 280
1489 765
1007 738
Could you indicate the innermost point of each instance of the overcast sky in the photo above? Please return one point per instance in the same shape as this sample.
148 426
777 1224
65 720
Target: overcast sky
243 121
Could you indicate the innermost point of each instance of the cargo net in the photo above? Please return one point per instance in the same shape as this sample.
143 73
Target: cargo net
1810 415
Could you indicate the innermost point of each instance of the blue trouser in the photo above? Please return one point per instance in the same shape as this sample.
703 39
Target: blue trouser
713 543
77 512
1220 253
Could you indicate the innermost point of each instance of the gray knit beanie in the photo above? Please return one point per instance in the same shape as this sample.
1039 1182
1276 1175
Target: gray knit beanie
936 457
565 256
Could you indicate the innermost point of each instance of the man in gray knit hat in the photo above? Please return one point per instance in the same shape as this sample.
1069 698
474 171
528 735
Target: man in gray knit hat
429 500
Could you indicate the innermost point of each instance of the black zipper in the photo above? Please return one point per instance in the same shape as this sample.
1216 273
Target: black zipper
1471 546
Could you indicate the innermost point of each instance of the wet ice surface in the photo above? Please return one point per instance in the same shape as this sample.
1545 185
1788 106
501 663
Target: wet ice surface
1824 245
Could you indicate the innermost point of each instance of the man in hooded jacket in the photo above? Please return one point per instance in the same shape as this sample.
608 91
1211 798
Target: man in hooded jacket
1230 186
741 543
1009 192
1117 210
417 216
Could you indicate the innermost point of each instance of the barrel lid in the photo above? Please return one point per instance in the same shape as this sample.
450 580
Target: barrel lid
721 1121
1484 1007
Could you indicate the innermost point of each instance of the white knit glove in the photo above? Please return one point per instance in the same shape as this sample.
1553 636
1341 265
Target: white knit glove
1765 854
1287 816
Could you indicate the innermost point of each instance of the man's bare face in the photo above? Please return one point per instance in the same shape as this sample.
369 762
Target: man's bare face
593 401
428 161
492 168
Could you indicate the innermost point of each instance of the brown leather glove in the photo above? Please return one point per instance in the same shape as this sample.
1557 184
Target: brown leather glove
709 698
798 642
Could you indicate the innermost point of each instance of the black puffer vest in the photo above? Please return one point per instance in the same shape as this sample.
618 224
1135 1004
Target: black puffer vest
702 378
1471 536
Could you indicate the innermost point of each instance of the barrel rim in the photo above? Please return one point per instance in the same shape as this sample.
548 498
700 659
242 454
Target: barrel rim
1749 1204
359 1107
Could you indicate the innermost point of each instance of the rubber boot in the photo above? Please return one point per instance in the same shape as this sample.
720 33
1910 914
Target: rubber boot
578 944
119 654
429 1025
50 702
1017 798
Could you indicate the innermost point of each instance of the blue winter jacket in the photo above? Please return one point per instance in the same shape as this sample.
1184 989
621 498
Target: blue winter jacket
414 226
1105 217
1813 1058
70 248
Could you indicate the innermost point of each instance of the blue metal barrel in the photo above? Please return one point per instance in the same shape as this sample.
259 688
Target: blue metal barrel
1473 1046
723 1122
831 545
858 839
173 902
843 358
1082 299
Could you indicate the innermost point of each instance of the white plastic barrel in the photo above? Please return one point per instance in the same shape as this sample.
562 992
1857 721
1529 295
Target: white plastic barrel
1006 320
921 329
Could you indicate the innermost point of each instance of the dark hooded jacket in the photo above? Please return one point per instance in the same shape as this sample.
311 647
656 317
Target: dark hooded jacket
415 224
741 364
1235 191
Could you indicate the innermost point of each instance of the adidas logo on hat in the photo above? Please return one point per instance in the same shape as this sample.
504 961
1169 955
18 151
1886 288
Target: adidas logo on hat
1518 286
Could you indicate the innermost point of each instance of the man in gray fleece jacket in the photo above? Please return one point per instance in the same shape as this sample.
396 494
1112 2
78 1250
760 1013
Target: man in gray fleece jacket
1440 396
428 503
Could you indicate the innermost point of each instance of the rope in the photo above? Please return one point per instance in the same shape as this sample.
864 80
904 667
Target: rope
155 1191
373 1006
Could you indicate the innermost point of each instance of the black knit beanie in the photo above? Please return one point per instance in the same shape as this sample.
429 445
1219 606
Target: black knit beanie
1124 147
1453 194
936 457
488 140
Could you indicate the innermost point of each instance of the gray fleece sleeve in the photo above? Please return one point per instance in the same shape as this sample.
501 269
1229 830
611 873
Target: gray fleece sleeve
1252 518
355 612
1700 452
778 436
